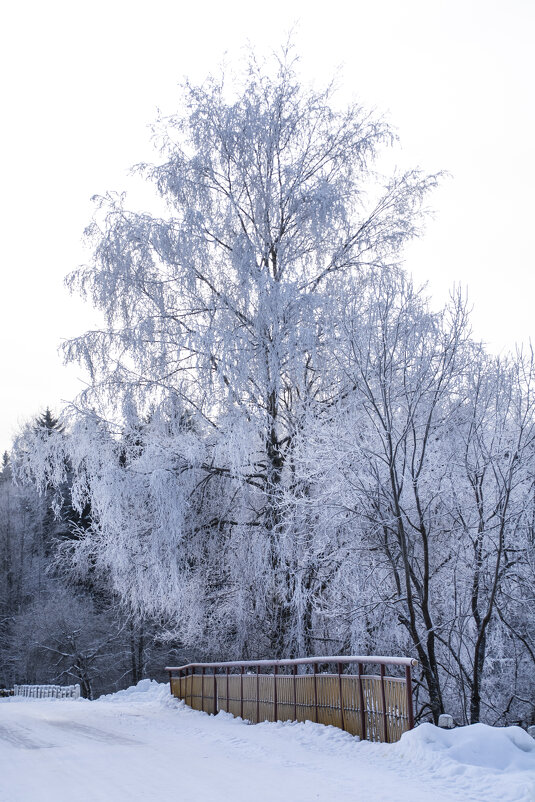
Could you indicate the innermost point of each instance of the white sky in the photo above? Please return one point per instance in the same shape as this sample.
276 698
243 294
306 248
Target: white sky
80 83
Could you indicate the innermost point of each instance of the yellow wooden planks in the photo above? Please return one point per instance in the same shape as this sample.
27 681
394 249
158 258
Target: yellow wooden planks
305 697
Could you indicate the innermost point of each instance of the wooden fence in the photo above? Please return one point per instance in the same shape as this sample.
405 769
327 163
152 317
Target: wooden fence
374 706
47 691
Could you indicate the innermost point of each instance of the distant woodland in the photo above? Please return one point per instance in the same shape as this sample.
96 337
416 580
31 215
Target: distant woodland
54 629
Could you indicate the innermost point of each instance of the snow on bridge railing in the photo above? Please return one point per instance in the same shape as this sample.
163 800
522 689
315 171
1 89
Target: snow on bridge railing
48 691
374 707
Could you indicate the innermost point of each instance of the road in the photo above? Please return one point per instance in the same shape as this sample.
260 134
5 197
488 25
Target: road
142 745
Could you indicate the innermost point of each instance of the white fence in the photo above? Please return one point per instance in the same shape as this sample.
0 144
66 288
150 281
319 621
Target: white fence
48 691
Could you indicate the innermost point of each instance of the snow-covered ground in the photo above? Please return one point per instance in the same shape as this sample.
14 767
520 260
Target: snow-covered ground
141 744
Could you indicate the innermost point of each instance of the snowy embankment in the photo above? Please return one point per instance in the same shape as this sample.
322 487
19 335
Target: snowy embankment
141 744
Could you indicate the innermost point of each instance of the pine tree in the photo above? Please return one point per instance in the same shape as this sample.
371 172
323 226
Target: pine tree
49 422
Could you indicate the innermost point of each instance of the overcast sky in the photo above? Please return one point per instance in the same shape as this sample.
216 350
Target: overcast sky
81 83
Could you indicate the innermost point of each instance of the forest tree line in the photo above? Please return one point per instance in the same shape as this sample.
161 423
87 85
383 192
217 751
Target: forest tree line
54 628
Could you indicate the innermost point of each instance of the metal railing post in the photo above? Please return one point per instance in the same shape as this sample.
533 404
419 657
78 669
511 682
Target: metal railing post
241 692
257 694
362 710
342 722
275 710
316 690
408 683
383 697
294 672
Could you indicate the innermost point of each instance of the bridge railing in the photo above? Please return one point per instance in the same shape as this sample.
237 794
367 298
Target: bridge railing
374 706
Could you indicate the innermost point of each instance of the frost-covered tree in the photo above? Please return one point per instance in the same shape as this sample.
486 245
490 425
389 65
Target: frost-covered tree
384 455
419 492
222 311
48 422
491 495
282 449
55 625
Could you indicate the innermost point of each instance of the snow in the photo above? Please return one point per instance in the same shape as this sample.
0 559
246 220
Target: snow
502 748
142 744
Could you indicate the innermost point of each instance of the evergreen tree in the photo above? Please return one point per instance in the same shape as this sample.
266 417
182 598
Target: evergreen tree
46 420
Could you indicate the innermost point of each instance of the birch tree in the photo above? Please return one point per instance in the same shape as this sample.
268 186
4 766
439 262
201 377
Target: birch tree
403 366
223 307
492 496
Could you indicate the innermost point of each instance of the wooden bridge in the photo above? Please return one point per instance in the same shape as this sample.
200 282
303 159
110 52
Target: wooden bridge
374 706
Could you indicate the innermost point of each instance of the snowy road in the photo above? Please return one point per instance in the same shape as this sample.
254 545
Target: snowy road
142 745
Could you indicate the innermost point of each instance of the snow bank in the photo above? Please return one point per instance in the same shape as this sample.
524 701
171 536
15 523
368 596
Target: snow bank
499 749
147 691
479 761
503 749
492 748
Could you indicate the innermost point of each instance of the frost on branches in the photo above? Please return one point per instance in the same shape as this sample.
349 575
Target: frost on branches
284 451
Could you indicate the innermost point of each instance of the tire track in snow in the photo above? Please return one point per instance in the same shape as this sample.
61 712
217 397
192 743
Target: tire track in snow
18 736
93 733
